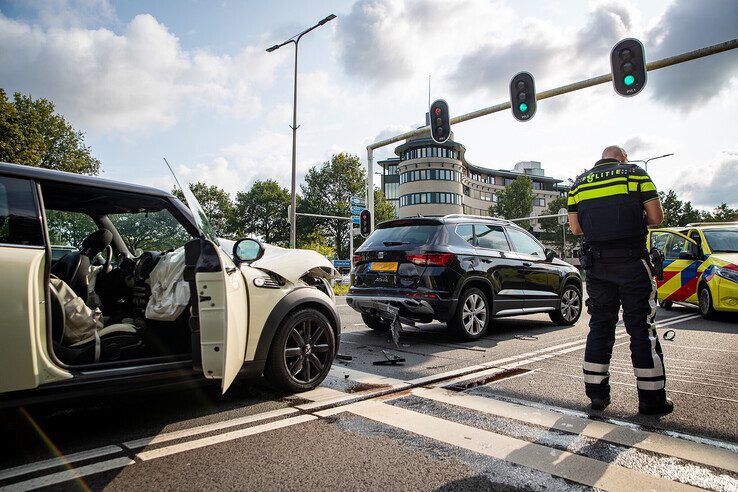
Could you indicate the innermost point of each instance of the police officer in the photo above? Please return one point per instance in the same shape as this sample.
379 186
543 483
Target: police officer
611 205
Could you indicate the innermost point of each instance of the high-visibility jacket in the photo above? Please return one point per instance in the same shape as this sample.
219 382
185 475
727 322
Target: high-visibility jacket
608 200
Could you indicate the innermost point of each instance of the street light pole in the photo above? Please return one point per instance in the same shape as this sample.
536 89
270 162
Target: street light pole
293 209
645 161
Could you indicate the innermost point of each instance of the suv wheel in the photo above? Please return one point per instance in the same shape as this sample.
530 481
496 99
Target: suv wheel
707 310
375 322
302 352
471 319
570 308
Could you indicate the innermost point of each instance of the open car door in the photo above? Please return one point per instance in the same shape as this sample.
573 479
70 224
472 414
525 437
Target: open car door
682 262
219 301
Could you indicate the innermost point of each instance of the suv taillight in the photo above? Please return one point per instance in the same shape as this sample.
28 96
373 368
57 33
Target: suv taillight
430 259
357 259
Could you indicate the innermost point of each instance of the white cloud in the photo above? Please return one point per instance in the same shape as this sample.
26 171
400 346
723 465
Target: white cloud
135 81
710 183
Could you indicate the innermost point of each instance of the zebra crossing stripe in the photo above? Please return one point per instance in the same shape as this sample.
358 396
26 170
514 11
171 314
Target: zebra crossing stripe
570 466
639 439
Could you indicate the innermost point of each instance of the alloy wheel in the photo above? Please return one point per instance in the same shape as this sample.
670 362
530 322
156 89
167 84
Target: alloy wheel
474 314
571 304
704 301
306 351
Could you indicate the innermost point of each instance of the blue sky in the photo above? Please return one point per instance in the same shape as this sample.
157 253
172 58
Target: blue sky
190 80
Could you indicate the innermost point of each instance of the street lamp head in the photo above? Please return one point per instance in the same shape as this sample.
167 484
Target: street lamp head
327 19
269 50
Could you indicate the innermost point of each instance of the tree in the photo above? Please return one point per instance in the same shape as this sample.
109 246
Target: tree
217 205
552 228
722 213
327 190
33 135
515 201
672 208
262 211
383 208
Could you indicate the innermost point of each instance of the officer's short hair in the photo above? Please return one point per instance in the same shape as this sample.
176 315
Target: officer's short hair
614 152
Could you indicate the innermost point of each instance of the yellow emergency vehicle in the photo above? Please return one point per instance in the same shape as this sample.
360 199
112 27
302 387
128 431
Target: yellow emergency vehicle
701 266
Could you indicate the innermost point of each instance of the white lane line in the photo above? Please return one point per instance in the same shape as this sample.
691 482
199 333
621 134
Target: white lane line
670 390
647 441
570 466
66 475
202 429
220 438
61 460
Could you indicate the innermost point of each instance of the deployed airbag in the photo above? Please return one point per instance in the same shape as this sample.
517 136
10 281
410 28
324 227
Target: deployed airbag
170 294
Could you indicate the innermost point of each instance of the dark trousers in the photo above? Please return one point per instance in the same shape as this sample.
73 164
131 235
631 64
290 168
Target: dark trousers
629 283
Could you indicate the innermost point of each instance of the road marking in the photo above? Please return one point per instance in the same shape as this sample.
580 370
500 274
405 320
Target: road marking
570 466
202 429
61 460
66 475
647 441
220 438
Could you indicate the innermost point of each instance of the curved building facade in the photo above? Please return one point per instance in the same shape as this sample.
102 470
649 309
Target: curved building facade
431 179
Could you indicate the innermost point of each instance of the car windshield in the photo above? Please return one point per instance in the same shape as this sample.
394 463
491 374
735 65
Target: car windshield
402 236
722 240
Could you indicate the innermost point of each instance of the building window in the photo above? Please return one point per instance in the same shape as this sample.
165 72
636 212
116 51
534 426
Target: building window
430 197
476 211
426 152
537 185
508 181
430 174
487 196
539 202
390 190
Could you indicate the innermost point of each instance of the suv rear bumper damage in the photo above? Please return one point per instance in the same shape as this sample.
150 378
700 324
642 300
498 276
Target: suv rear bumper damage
422 310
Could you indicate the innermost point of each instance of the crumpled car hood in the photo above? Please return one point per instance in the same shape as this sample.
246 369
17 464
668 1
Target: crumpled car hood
292 264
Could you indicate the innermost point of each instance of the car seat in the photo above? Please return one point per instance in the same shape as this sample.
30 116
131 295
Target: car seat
74 266
78 334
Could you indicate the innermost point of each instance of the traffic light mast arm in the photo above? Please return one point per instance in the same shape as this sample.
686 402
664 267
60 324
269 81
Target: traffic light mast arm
601 79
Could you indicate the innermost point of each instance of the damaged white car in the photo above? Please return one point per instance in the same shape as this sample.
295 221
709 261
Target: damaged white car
110 286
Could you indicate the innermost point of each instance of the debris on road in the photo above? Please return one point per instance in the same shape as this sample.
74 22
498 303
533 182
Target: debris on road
526 337
392 360
344 357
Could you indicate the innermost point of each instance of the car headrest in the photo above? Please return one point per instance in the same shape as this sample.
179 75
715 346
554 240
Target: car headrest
96 242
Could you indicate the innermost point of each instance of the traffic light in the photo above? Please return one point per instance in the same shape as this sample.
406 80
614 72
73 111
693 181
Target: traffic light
523 96
365 222
628 63
440 121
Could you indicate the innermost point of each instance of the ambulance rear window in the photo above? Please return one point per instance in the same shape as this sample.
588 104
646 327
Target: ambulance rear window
722 240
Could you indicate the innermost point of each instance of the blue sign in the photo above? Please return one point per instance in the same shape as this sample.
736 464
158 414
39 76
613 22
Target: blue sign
356 210
356 220
358 201
341 263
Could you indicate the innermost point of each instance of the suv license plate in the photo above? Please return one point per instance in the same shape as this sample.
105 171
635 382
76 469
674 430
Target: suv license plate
383 266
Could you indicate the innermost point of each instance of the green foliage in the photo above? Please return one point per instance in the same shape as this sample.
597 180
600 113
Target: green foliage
551 227
217 205
383 208
262 212
33 135
678 213
327 191
69 228
150 231
515 201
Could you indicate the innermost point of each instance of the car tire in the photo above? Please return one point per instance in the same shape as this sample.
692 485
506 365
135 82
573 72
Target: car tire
666 304
302 352
472 317
375 322
707 309
570 307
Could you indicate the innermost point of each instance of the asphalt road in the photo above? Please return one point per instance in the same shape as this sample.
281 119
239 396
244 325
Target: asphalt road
507 412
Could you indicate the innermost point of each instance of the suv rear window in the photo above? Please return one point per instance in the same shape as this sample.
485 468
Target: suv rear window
402 236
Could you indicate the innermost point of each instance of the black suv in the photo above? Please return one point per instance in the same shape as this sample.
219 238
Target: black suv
462 270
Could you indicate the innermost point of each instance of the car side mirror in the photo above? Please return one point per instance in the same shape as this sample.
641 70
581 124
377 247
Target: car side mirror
247 250
550 254
686 255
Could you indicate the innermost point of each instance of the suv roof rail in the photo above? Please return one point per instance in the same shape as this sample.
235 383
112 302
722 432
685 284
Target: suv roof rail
486 217
698 224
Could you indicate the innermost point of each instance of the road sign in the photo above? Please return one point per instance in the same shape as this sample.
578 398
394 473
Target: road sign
356 210
341 263
356 220
358 201
564 216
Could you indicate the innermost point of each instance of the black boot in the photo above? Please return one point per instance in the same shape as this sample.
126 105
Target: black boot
600 403
659 406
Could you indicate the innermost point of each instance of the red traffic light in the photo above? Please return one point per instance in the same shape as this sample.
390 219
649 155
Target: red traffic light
437 111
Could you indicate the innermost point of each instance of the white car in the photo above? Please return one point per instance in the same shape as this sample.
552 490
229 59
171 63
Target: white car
109 285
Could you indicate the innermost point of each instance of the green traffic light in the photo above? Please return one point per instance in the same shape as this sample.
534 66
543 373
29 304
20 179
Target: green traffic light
523 107
629 80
